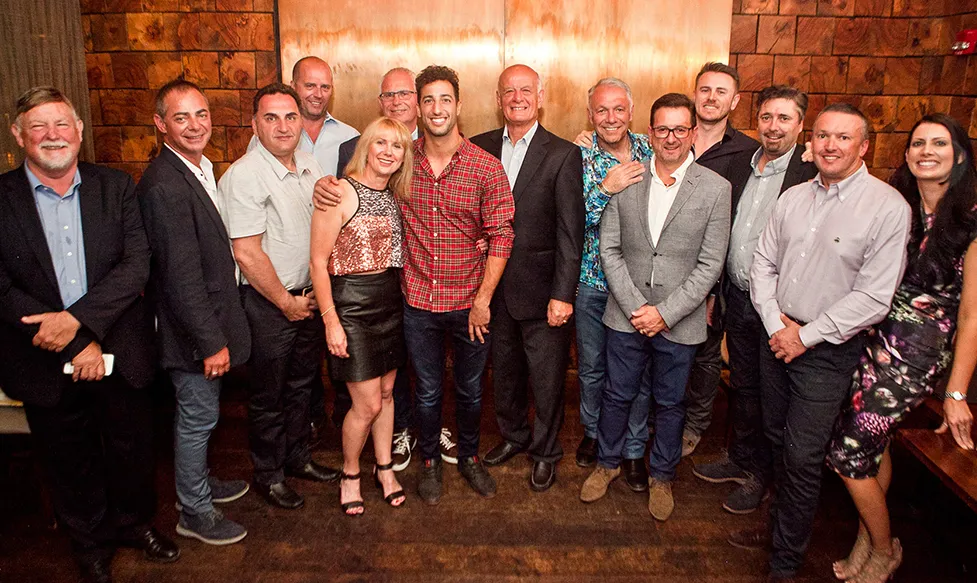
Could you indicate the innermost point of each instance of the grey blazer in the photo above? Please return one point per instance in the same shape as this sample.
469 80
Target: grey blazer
686 263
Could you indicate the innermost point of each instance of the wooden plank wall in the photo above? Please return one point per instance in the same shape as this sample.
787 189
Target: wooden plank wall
890 58
42 45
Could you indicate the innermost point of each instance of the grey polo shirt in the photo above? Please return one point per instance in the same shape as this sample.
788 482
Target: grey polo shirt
259 196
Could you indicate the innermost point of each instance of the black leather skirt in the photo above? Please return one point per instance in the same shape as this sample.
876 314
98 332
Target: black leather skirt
371 310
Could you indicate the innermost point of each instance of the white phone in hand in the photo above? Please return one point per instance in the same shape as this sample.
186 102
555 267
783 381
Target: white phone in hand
108 359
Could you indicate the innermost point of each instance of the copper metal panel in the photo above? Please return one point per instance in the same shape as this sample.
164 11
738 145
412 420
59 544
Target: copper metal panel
655 45
363 39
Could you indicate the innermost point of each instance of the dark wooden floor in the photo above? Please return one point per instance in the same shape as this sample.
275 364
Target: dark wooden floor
517 536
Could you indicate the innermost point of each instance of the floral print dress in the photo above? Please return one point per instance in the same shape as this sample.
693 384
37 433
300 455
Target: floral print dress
905 357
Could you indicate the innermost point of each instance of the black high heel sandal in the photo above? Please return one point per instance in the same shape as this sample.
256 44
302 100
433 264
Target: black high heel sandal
389 498
347 506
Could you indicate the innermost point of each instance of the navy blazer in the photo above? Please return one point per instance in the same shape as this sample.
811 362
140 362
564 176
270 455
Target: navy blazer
113 312
549 219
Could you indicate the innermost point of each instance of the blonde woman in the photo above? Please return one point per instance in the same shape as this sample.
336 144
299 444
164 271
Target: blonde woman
357 252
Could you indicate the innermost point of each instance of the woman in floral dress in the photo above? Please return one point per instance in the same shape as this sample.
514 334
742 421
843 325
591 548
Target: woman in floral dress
913 347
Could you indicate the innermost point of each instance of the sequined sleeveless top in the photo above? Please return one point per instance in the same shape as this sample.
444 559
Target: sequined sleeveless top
373 238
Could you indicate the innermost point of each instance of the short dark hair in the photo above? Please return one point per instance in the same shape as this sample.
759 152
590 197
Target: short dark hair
274 89
38 96
677 100
842 107
783 92
436 73
717 67
180 85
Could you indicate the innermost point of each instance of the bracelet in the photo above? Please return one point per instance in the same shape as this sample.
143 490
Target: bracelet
602 190
327 310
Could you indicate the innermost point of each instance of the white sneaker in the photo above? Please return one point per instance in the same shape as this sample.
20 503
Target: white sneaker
449 449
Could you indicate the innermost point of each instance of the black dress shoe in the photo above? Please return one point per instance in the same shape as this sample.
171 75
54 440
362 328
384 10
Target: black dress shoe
587 452
281 495
635 474
502 453
154 545
99 571
542 477
314 472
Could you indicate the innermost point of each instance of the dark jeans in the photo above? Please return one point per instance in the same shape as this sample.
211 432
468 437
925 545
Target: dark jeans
425 332
628 355
529 355
745 339
285 360
801 401
703 382
403 403
95 447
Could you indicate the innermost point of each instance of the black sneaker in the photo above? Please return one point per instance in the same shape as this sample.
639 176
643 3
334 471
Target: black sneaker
746 498
750 539
429 485
474 472
401 449
719 471
222 491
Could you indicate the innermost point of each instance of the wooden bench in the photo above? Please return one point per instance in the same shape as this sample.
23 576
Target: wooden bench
956 468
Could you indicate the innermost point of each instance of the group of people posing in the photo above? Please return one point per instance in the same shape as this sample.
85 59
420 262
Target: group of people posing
377 247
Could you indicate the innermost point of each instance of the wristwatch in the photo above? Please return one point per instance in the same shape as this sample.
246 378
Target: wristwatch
955 395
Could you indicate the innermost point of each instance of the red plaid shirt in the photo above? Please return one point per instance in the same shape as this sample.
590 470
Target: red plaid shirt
444 218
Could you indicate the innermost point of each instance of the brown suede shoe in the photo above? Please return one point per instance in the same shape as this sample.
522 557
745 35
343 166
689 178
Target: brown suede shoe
595 486
660 501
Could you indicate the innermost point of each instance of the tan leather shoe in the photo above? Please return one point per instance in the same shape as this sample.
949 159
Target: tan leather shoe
595 486
660 501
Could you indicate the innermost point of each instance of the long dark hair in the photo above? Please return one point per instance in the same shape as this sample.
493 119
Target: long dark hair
955 220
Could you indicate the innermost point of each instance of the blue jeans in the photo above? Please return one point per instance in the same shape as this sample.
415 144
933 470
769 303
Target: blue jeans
197 410
592 372
424 332
629 354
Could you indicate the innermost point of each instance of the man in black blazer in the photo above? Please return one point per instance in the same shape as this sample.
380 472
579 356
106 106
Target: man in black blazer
534 301
73 265
758 179
201 327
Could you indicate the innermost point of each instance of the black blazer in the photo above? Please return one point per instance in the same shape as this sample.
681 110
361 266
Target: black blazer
192 289
548 194
346 150
113 312
798 172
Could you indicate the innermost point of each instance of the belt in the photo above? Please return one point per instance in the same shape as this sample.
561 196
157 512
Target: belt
302 291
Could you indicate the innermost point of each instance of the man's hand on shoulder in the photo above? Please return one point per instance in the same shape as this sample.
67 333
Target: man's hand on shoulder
584 139
327 193
57 329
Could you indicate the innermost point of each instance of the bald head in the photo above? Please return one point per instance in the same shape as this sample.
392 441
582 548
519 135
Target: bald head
312 80
398 98
520 95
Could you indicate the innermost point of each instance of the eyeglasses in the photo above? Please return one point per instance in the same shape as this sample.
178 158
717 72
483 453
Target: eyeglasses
661 132
391 95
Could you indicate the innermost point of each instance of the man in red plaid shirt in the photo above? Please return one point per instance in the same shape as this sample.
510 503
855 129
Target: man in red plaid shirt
459 194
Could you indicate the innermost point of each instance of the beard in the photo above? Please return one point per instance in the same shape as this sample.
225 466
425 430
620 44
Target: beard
56 160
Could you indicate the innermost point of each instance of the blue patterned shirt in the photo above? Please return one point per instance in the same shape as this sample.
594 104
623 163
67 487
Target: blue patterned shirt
596 163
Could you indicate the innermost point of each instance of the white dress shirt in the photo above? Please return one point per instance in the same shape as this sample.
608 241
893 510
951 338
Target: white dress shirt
661 197
204 173
513 155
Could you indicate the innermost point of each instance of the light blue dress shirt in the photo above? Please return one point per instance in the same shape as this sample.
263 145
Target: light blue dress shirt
513 155
61 221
